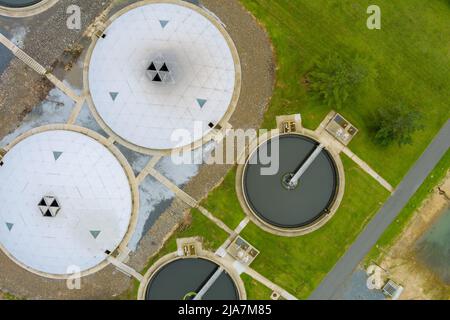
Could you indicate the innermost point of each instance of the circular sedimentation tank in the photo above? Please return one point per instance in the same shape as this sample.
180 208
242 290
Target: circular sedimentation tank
281 205
24 8
67 202
18 3
162 76
184 278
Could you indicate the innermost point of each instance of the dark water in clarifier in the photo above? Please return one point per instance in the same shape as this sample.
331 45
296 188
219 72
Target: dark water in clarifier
183 276
315 193
433 249
18 3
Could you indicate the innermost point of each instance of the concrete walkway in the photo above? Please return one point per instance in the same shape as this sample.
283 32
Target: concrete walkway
223 248
125 268
76 111
368 169
331 285
217 221
33 64
339 147
172 187
183 196
16 51
269 284
150 165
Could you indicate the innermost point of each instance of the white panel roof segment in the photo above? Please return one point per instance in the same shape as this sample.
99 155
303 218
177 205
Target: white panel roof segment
201 66
91 188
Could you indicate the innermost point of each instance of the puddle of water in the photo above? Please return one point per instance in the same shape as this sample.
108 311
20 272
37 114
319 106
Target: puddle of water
5 58
154 198
137 160
85 119
433 249
355 288
17 35
56 108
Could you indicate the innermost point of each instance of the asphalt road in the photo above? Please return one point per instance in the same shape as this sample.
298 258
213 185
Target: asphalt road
332 283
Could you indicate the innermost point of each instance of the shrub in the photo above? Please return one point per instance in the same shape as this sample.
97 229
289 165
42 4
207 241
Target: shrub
334 79
396 123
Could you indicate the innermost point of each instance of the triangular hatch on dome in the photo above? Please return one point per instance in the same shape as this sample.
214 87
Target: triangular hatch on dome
113 95
95 233
201 102
152 67
57 155
164 68
157 78
53 211
163 23
54 204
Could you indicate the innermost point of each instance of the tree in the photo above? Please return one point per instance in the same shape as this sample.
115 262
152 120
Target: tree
396 123
333 79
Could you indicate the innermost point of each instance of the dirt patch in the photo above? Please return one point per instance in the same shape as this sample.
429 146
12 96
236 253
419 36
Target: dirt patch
401 261
20 90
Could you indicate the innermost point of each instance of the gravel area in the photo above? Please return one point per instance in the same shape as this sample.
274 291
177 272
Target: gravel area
44 37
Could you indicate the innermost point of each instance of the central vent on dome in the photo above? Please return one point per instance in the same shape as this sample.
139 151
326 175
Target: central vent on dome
49 206
159 72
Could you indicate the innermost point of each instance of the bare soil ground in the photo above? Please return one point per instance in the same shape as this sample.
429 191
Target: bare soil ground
401 261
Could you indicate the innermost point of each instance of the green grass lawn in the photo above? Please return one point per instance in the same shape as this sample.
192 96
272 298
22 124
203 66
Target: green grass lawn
394 230
223 200
411 54
254 289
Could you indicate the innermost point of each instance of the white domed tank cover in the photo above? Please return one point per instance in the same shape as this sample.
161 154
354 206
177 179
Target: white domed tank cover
79 176
162 67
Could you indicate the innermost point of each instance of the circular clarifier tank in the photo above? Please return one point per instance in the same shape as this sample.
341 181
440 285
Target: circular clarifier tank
300 192
18 3
187 278
163 76
66 203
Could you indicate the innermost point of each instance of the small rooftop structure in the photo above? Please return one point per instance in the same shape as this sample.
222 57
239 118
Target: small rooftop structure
189 247
289 123
341 129
392 290
242 251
